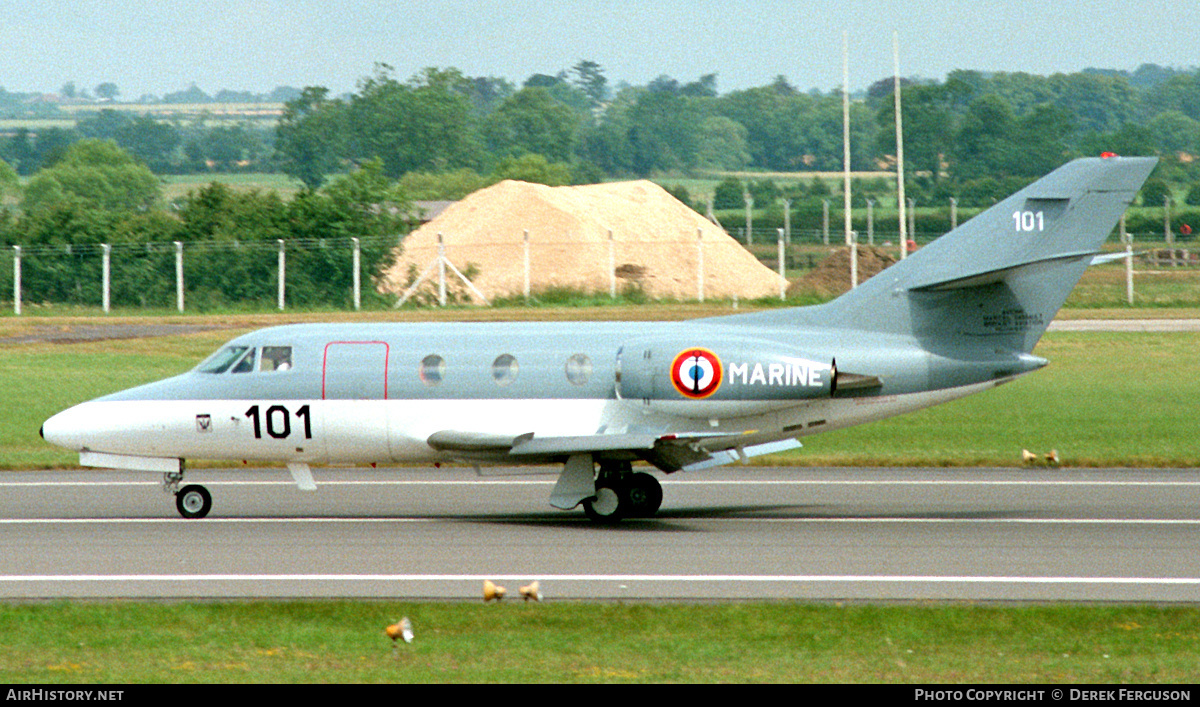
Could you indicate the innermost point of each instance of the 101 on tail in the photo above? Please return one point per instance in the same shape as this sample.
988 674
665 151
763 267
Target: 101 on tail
960 316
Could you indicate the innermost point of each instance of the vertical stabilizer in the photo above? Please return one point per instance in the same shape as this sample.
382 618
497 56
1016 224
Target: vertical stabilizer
998 279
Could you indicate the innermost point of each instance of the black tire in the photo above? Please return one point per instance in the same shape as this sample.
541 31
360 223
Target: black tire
193 501
643 494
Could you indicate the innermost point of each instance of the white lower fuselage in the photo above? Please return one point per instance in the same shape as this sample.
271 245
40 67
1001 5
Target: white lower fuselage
382 431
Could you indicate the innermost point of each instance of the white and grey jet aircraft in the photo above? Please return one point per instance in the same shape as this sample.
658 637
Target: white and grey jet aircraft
960 316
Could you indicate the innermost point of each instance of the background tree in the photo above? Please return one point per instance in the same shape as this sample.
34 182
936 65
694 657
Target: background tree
532 121
107 91
309 137
96 174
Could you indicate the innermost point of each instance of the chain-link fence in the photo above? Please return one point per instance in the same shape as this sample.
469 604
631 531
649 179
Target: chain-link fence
198 276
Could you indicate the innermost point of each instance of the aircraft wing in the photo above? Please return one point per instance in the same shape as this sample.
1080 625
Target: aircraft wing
669 452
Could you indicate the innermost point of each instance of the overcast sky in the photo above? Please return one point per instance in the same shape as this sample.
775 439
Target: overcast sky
162 46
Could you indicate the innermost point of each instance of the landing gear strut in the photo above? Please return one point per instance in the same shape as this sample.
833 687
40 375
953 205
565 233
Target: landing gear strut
192 501
620 493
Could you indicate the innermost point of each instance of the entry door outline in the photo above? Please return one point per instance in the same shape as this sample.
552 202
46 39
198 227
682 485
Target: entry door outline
387 351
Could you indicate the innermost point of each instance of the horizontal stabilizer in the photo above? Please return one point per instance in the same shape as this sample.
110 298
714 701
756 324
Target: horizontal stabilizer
1109 257
991 277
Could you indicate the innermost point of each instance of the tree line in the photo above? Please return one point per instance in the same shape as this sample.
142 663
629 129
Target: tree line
964 135
970 134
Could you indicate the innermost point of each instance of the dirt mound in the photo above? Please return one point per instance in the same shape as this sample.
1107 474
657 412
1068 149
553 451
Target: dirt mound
831 277
653 247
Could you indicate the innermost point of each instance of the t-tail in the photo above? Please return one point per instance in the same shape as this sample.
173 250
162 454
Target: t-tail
997 281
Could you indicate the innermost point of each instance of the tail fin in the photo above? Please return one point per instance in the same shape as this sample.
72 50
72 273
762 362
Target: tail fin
998 279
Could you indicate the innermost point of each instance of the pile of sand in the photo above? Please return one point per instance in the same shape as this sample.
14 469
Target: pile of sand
654 240
831 277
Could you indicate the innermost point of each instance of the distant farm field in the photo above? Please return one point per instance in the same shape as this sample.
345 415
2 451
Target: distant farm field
176 186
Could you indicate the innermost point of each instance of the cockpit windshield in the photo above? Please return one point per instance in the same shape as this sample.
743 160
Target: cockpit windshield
242 359
223 359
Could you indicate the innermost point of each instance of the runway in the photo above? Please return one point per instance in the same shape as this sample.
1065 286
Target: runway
734 533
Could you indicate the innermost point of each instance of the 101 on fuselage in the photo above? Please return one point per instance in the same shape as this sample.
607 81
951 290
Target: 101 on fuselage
959 316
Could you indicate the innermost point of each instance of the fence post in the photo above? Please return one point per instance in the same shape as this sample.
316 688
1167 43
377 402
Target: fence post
441 271
700 264
953 213
825 221
852 236
526 256
106 275
1127 239
870 222
787 219
179 276
282 275
1168 234
749 219
612 266
16 279
912 221
782 276
357 275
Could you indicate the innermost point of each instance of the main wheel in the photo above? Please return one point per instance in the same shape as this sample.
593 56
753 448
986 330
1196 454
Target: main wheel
607 506
193 501
644 494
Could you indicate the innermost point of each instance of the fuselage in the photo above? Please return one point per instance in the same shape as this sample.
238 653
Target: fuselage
355 393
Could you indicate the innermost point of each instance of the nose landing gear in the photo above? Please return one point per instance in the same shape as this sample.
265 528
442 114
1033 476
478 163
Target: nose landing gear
192 501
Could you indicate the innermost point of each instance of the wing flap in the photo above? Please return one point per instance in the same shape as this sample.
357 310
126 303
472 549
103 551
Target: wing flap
669 452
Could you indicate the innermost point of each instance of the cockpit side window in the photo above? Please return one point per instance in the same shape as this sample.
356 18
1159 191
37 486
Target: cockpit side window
223 359
275 358
245 364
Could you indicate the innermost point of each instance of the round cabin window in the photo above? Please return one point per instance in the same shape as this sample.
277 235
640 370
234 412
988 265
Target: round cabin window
433 369
579 369
504 369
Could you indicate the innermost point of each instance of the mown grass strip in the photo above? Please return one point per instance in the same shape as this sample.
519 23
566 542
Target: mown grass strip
344 641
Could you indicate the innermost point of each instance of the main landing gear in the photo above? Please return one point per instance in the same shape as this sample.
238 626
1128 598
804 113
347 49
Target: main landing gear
193 501
620 493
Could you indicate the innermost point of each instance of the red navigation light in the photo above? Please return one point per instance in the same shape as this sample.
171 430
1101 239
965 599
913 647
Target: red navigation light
1106 155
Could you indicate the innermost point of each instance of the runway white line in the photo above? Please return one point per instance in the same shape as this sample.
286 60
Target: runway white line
670 482
509 577
583 520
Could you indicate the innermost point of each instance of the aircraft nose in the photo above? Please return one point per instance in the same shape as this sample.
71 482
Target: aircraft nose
64 429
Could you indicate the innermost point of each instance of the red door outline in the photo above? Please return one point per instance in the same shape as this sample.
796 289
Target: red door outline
387 352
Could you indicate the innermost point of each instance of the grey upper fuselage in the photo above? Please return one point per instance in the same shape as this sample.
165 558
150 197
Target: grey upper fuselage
365 353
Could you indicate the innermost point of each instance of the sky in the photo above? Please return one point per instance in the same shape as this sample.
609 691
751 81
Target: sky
162 46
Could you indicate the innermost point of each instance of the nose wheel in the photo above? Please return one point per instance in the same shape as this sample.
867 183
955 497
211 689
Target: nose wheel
193 501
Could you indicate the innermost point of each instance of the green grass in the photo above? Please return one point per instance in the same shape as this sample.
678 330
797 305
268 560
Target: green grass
1105 399
339 641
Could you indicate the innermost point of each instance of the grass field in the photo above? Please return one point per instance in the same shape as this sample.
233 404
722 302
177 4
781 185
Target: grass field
1112 399
339 642
1107 399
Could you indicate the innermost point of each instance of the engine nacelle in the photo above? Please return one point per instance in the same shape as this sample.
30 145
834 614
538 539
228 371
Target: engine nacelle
720 377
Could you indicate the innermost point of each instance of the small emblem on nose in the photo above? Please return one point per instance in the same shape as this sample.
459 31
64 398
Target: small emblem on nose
204 423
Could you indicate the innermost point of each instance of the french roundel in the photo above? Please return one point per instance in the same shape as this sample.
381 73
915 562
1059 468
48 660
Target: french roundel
696 373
